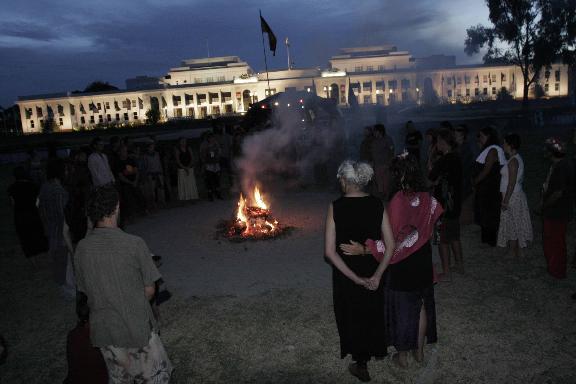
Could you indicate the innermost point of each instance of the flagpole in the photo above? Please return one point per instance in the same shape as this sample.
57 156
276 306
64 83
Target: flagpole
288 52
264 51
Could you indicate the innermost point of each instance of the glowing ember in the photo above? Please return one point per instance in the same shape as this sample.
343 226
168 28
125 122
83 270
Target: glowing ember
253 219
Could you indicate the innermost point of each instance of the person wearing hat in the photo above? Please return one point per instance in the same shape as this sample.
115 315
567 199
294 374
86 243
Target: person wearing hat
556 206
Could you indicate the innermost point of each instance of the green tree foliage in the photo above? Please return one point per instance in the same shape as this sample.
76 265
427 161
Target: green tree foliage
153 116
531 34
100 86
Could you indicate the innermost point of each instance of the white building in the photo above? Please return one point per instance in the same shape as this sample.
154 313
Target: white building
199 88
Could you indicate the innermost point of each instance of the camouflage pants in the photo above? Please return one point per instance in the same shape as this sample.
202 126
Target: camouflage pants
147 365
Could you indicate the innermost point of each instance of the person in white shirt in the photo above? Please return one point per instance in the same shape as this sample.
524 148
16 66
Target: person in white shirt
98 164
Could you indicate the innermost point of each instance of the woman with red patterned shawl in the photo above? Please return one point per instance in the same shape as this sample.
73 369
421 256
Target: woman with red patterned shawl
409 290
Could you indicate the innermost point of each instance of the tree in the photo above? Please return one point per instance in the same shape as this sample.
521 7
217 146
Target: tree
100 86
49 125
531 34
153 116
504 95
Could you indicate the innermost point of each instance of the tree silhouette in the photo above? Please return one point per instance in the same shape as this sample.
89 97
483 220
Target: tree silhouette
100 86
531 34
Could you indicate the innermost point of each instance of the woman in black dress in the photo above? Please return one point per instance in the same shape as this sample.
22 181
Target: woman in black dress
488 199
359 311
23 193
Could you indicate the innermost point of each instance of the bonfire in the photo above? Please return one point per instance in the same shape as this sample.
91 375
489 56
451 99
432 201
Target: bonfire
253 219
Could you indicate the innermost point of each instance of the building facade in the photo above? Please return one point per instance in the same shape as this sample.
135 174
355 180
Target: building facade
201 88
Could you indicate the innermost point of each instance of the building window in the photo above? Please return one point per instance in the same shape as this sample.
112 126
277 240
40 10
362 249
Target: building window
99 106
92 119
197 80
476 91
381 68
107 105
380 99
210 79
358 69
177 112
485 78
191 112
557 75
60 121
126 104
557 86
392 84
369 68
133 103
503 77
459 80
135 115
467 91
449 81
31 123
108 117
380 85
546 87
405 83
126 117
117 117
221 78
493 90
493 78
367 99
100 119
485 91
367 86
449 93
467 79
82 120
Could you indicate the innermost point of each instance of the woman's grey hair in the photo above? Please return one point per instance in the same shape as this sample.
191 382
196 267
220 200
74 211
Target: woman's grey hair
355 172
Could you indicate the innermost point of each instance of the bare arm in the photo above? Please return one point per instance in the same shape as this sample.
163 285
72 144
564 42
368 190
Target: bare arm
512 176
330 249
149 291
388 238
491 160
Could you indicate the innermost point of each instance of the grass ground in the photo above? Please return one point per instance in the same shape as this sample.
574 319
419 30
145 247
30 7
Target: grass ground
500 322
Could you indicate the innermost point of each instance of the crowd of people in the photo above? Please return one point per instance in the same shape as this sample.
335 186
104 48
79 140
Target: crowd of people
395 210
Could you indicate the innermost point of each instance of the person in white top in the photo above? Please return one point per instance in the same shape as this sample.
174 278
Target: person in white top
515 229
98 164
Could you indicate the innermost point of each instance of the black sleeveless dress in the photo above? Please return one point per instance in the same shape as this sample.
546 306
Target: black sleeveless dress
359 312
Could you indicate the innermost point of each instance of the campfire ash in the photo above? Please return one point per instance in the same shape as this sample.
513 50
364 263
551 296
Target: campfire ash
253 220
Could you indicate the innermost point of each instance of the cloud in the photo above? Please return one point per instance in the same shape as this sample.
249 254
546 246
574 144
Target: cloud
112 39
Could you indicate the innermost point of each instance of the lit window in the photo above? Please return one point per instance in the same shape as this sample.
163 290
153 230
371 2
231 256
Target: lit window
546 87
485 78
557 75
134 103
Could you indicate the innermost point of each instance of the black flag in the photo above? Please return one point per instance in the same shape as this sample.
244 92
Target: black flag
271 37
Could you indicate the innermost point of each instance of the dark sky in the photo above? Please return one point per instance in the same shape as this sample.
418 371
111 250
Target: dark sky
59 45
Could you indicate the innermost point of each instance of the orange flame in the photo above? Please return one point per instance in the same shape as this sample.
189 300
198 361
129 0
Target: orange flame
258 199
240 216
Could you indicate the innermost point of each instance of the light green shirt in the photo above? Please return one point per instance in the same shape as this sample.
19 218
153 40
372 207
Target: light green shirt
112 269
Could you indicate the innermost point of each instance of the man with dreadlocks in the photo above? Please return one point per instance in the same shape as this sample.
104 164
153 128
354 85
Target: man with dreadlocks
117 274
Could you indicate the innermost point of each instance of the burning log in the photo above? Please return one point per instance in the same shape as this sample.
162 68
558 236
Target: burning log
253 221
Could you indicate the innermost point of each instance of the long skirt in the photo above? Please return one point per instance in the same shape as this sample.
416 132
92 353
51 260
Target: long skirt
554 243
30 233
515 223
187 189
359 314
403 317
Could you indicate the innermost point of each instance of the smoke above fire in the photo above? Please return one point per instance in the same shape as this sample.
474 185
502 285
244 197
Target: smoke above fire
298 142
